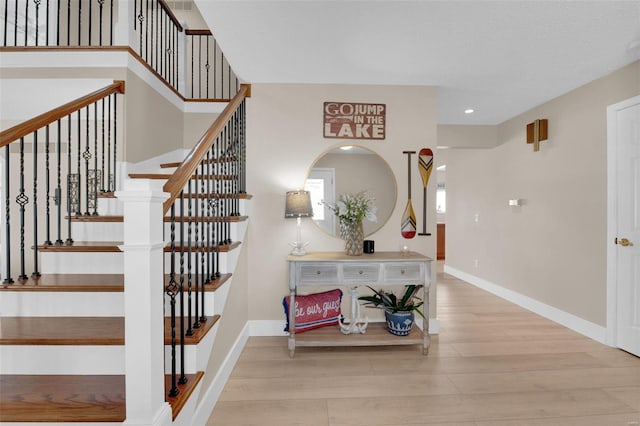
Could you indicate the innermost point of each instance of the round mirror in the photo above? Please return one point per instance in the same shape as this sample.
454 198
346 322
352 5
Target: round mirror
350 170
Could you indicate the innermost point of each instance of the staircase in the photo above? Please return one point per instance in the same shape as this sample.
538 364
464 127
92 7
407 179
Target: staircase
70 335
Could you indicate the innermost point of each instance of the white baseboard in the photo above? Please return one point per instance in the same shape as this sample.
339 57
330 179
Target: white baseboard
211 395
577 324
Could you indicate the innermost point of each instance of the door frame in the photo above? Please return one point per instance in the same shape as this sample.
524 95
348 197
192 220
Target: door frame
612 215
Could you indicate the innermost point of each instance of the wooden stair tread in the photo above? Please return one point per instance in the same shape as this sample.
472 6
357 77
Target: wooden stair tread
110 219
102 331
69 282
178 402
76 398
62 331
168 175
222 248
62 398
198 333
88 283
84 246
112 247
211 161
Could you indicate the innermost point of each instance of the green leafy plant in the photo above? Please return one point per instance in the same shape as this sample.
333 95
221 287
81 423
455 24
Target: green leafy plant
354 207
389 301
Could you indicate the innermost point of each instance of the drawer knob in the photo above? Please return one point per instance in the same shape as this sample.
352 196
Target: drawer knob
361 272
317 272
402 271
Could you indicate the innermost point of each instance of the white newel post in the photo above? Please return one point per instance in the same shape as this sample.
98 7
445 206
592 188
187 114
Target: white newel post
143 301
123 32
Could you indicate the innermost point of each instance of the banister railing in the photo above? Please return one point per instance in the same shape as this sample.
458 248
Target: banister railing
156 36
85 131
205 193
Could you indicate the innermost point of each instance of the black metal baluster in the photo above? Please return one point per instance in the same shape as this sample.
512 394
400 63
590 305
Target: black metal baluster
146 32
172 290
22 200
69 240
26 21
102 171
79 180
199 66
115 140
80 23
220 196
151 60
101 5
86 155
6 17
215 68
47 242
111 25
36 272
7 227
209 218
109 180
192 39
69 23
96 172
58 191
15 27
135 16
189 254
183 377
58 22
90 42
37 3
46 40
206 67
140 20
203 277
196 219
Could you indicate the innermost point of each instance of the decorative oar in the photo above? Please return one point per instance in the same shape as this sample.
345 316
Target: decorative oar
425 164
408 226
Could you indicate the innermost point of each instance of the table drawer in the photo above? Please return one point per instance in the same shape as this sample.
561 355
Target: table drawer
403 272
367 273
315 273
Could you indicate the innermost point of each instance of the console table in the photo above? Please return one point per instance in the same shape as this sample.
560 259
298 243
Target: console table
376 269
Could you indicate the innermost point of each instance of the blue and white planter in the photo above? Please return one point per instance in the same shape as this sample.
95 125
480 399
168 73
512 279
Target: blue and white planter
399 323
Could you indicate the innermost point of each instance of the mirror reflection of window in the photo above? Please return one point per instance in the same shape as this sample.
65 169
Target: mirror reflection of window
320 185
441 199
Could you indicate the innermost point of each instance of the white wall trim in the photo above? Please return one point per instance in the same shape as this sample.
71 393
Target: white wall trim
577 324
211 395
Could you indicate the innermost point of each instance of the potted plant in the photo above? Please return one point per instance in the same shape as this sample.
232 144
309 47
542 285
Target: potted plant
398 312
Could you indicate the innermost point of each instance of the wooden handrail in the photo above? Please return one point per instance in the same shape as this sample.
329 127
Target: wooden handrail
30 126
170 13
198 32
175 184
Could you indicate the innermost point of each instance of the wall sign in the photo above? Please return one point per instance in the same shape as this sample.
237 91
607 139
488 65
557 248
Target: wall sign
348 120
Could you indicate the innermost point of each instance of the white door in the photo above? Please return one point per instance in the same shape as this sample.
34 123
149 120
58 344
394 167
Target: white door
624 134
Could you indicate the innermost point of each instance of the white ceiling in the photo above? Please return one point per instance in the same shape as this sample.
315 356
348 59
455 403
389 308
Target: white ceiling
499 57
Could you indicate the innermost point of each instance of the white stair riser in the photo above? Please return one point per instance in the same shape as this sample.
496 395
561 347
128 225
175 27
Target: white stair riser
57 359
209 304
112 263
196 356
92 359
94 304
71 304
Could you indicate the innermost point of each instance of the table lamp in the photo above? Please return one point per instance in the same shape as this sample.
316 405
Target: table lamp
298 205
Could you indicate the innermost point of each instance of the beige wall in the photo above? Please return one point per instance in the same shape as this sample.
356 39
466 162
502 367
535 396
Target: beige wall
195 124
459 136
553 248
154 125
285 138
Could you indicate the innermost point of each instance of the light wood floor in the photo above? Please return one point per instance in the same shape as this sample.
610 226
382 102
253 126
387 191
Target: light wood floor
493 364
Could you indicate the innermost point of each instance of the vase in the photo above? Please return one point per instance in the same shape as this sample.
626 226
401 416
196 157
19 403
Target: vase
353 237
399 323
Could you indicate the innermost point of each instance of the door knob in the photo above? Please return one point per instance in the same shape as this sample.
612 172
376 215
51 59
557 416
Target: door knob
624 242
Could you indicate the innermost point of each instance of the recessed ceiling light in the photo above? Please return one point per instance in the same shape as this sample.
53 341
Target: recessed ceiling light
468 111
442 168
346 147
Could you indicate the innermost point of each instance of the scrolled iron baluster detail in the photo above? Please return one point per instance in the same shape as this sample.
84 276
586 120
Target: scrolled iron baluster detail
22 200
7 175
189 254
86 155
196 221
172 290
203 277
58 191
37 3
101 5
